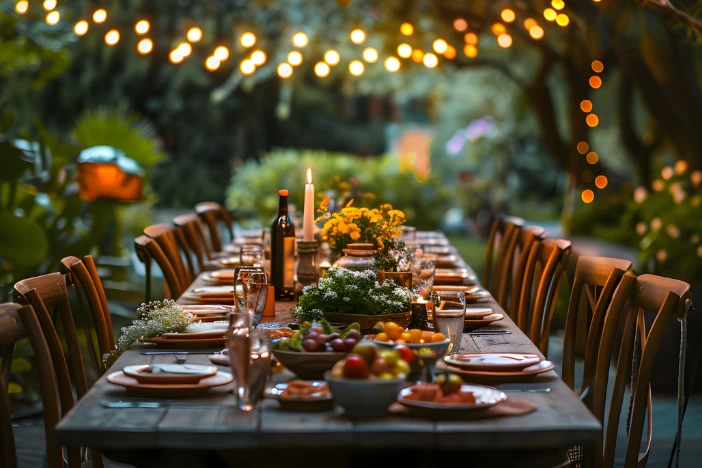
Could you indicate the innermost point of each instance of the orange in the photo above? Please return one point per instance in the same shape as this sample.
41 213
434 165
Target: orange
400 341
427 336
407 336
381 337
438 338
416 335
393 330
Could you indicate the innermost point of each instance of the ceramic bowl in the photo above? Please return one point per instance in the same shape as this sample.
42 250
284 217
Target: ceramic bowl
364 398
306 365
440 349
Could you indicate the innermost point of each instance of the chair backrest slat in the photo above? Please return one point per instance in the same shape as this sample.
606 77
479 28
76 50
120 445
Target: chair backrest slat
511 282
147 250
165 237
506 230
212 214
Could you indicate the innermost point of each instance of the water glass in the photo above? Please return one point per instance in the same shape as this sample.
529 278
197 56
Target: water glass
252 255
423 271
250 360
449 316
255 297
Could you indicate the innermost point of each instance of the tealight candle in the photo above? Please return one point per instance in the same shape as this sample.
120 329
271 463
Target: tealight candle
324 266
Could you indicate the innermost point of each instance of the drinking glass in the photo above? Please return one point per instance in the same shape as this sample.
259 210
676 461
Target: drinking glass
449 316
423 270
252 255
250 359
249 298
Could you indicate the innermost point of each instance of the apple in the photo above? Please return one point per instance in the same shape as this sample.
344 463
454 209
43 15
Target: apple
406 354
355 367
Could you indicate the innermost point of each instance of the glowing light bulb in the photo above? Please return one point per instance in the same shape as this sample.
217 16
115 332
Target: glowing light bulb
471 38
450 52
586 105
285 70
247 67
430 60
557 4
597 66
81 28
595 81
221 53
194 34
300 39
460 24
145 46
358 36
142 27
404 50
601 181
562 20
592 120
588 195
504 40
248 39
112 37
392 64
175 57
439 46
258 57
49 5
592 157
99 16
356 68
550 14
53 18
406 29
294 58
332 57
212 64
508 15
22 6
370 55
583 147
536 32
470 50
321 69
185 49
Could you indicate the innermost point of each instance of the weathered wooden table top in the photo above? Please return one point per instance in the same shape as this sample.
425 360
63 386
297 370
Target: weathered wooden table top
560 421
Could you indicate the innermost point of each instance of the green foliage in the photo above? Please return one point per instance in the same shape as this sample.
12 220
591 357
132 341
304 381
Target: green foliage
369 181
612 217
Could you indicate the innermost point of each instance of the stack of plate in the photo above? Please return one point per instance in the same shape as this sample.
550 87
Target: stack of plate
208 313
500 366
477 317
169 380
219 277
458 276
197 335
211 295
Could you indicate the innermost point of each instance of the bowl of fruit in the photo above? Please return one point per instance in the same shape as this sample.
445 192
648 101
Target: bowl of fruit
428 346
368 380
315 348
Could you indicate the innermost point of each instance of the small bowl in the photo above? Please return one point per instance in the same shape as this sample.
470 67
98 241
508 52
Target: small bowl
321 403
306 365
418 363
364 398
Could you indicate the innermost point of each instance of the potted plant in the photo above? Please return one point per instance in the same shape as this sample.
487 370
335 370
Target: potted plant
392 261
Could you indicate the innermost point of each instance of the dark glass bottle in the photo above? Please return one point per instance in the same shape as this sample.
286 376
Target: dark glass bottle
283 251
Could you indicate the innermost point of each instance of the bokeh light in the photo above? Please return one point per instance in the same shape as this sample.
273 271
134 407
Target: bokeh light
439 46
450 52
406 29
471 38
418 55
185 49
248 39
300 39
667 173
112 37
557 4
536 32
53 18
508 15
504 40
586 105
588 196
285 70
430 60
321 69
583 147
550 14
194 34
175 57
404 50
332 57
212 63
142 27
358 36
562 20
392 64
22 6
356 68
49 5
680 166
221 53
145 46
592 157
370 55
470 50
597 66
460 25
498 29
100 16
258 57
247 67
595 81
601 181
592 120
294 58
530 23
81 28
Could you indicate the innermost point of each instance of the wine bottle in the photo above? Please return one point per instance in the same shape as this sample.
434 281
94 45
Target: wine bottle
283 251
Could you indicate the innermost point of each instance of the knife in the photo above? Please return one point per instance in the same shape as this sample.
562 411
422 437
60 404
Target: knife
494 332
155 404
150 353
526 390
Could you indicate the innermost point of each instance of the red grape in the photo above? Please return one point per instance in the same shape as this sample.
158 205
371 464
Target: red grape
338 345
309 345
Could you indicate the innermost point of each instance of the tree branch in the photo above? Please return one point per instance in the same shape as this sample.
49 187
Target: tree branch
668 9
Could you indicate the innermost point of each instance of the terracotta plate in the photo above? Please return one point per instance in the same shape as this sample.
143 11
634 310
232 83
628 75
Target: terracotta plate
143 375
484 398
477 313
454 276
487 320
506 376
446 261
496 362
169 390
319 403
187 343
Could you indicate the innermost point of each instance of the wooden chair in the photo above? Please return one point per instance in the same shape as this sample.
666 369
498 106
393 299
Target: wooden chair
500 246
669 300
598 278
148 250
543 273
212 214
194 234
510 284
173 245
82 274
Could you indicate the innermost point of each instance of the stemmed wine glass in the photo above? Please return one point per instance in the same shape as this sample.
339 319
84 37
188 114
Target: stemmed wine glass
253 284
250 359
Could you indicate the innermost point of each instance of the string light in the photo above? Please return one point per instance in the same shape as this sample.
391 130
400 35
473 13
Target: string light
508 15
258 57
221 53
404 50
49 5
601 181
470 50
562 20
550 14
175 57
247 67
99 16
53 18
439 46
406 29
595 81
294 58
430 60
285 70
417 55
22 6
370 55
321 69
471 38
498 29
504 40
592 157
586 105
680 166
597 66
588 195
185 49
112 37
536 32
557 4
81 28
583 147
194 34
356 68
332 57
592 120
450 52
667 173
392 64
142 27
248 39
212 64
460 24
300 39
530 23
358 36
145 46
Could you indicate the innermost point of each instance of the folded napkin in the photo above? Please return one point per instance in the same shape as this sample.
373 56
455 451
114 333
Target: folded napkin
179 369
214 291
220 359
509 407
207 326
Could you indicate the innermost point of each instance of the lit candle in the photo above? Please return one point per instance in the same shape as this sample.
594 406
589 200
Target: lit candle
308 216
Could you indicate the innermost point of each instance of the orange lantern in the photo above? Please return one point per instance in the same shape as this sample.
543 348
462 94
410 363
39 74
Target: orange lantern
106 173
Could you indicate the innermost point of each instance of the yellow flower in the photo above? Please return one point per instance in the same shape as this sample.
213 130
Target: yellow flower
397 213
379 242
343 228
355 235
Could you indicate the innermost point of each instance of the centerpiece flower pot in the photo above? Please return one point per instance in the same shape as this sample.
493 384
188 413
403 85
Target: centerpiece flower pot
401 278
357 257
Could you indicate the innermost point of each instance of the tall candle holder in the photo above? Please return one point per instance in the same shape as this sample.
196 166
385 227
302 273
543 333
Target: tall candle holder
307 265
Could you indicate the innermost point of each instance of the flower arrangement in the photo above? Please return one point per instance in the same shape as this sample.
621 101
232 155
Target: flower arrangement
153 319
393 257
354 225
351 292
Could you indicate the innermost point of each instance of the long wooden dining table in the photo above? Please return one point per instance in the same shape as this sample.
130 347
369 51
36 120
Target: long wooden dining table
212 431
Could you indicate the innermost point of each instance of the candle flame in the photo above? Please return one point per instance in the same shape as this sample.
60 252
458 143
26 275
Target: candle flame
309 175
